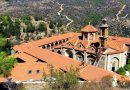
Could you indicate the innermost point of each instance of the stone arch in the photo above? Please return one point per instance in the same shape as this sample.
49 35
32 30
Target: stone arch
114 64
60 42
48 46
52 44
56 43
69 53
43 47
63 40
91 59
59 52
79 56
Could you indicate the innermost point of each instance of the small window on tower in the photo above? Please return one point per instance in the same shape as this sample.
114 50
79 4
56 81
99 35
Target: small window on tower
91 36
86 36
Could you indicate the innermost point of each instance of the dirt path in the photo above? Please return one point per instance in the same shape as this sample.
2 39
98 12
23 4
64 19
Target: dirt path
68 18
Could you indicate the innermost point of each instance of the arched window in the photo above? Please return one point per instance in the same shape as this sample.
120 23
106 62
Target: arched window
59 52
79 56
69 53
91 59
43 47
114 64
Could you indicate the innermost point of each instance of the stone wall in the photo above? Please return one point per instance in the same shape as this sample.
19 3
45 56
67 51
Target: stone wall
36 86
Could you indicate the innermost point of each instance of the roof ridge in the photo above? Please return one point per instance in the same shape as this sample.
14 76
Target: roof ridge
76 42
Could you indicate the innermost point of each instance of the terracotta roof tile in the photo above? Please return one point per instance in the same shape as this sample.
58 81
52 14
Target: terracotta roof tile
26 57
52 39
120 39
93 73
20 72
88 72
23 68
89 28
118 46
44 55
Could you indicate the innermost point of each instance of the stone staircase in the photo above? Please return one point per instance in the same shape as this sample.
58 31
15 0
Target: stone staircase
101 62
100 59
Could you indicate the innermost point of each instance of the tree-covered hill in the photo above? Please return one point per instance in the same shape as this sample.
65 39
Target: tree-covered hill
81 11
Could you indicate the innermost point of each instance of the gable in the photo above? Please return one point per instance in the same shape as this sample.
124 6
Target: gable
91 49
69 44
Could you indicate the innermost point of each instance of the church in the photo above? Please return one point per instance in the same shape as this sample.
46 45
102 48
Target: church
88 51
104 51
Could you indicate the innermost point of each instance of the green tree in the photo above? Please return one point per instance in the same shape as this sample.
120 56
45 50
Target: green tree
121 71
30 27
127 67
16 28
42 27
6 64
5 21
93 18
128 61
5 45
2 44
64 80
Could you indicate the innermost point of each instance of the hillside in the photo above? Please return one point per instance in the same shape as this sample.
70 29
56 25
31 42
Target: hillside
80 11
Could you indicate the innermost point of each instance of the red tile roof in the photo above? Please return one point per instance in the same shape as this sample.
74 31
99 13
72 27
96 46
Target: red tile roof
52 39
20 72
88 72
93 73
119 46
120 39
49 57
26 57
89 28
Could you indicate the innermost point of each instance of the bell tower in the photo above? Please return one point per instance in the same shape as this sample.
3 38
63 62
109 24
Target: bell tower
103 34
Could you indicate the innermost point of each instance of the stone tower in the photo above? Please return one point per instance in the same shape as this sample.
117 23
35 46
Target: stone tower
103 34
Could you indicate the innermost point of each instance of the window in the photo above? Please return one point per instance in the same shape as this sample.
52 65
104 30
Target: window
113 67
80 58
30 72
91 36
38 71
43 46
80 46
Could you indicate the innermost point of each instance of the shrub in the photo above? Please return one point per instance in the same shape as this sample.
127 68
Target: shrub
128 61
121 71
127 67
6 64
63 80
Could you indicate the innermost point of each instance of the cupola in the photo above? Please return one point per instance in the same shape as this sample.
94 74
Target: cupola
88 32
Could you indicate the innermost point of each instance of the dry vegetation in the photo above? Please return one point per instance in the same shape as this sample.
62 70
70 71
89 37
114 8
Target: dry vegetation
81 11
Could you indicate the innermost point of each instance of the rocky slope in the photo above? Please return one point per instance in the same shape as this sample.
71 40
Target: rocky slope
80 11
